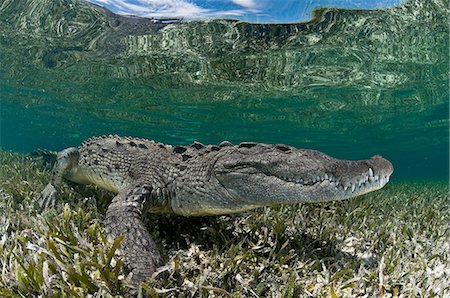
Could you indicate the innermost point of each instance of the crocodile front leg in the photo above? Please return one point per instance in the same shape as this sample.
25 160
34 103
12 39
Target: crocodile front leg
65 161
123 217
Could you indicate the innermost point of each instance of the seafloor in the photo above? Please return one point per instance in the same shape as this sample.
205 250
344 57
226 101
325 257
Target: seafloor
391 243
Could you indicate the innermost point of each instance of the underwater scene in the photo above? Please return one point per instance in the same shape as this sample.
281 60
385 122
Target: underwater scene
349 82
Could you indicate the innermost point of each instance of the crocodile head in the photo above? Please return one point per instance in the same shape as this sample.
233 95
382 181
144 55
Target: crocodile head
259 174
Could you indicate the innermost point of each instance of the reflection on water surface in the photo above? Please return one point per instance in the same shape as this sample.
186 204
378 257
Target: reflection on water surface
350 83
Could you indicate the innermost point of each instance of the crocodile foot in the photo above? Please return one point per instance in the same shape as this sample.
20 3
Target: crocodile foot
47 197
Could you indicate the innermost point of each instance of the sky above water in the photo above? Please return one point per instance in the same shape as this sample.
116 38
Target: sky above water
261 11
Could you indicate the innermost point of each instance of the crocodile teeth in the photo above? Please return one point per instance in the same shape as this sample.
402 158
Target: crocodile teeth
370 172
353 187
326 176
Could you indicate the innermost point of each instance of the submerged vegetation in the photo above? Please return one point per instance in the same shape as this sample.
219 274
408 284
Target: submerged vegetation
394 242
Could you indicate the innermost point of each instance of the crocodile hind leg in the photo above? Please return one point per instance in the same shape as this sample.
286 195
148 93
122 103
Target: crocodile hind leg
65 161
123 217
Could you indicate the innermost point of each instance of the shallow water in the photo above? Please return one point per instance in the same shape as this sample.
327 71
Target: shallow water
349 83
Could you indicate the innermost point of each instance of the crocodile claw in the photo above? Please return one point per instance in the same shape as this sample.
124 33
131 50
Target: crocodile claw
47 197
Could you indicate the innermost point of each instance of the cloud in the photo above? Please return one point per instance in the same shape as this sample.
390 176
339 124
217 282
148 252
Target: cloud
168 9
245 3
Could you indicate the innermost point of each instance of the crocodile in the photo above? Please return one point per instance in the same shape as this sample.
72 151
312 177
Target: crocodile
200 180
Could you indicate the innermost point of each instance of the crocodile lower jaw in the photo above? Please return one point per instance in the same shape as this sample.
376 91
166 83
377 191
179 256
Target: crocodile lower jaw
367 182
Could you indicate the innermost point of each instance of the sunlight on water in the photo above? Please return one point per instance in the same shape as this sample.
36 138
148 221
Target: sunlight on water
350 83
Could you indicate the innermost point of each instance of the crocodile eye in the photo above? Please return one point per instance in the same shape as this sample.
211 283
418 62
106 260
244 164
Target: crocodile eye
282 147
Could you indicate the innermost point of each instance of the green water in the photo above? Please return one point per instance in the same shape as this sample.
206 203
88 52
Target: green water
349 83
